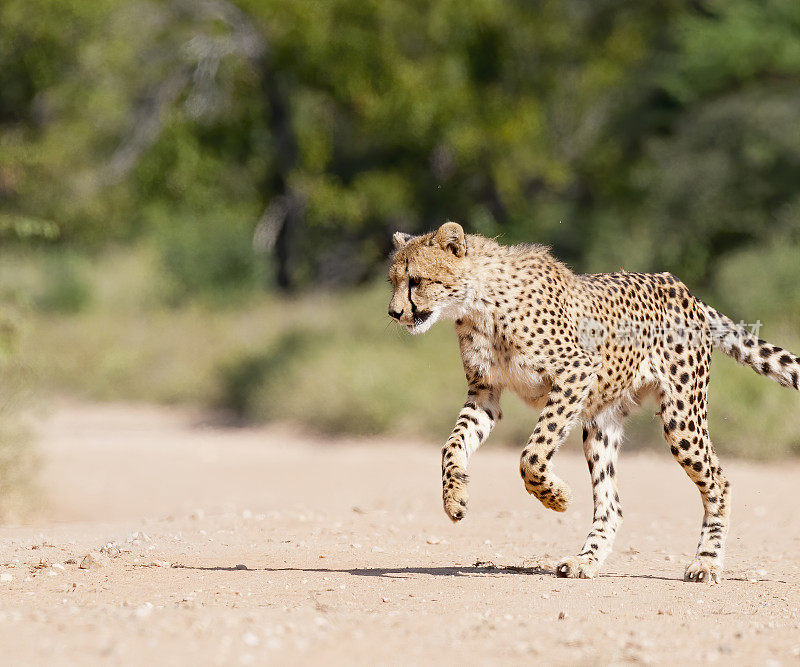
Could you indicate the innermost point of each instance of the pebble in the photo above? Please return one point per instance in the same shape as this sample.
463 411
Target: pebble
94 560
135 538
144 610
110 549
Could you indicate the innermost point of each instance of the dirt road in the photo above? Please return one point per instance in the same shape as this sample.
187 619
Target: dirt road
255 545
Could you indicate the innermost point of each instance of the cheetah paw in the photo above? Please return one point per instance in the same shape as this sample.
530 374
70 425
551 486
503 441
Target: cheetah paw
556 498
702 571
559 499
578 567
455 503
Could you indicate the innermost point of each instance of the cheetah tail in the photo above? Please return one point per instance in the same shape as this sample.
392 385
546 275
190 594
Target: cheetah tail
749 350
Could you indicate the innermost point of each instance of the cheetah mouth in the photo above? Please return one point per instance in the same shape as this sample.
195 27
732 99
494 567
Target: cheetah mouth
422 321
421 317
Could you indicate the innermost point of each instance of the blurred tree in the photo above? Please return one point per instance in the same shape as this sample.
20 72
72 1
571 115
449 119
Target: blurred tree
659 134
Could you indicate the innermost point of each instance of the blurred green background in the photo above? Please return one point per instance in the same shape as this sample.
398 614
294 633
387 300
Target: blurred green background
197 197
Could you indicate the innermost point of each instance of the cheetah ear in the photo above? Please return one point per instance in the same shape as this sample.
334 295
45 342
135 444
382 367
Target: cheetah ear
400 239
450 236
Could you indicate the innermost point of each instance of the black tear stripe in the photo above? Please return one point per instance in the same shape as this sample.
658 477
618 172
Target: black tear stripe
413 307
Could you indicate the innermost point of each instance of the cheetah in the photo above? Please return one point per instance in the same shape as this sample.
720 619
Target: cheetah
583 349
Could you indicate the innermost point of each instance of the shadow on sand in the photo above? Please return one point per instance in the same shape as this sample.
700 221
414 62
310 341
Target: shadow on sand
479 568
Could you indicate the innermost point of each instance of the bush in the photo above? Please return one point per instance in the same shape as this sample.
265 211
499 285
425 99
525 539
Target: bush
17 457
208 254
243 379
65 289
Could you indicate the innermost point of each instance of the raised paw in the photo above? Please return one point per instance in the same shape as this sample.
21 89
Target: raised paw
455 501
554 494
578 567
702 571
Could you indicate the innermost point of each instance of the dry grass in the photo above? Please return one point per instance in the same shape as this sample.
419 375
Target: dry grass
330 362
17 453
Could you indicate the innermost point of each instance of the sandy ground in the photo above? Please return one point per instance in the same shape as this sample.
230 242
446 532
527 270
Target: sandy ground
261 545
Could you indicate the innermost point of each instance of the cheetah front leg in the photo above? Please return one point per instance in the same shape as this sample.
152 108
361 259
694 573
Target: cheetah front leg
564 404
601 439
475 421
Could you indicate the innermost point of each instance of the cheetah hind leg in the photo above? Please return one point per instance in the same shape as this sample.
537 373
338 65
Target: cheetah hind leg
686 431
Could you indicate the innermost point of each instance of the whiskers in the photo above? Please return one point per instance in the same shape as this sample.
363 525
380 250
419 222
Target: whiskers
395 326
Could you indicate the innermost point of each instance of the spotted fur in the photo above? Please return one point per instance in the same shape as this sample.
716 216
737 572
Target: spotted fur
583 349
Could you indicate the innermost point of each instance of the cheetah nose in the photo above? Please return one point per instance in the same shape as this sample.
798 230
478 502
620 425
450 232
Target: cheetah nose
396 315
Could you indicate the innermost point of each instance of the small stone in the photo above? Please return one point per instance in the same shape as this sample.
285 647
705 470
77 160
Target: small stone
562 615
94 560
432 540
111 550
144 610
250 639
240 566
135 538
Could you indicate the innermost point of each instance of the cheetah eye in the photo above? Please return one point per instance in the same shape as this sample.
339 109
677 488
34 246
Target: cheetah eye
414 282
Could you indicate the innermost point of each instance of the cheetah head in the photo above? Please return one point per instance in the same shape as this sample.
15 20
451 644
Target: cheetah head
429 276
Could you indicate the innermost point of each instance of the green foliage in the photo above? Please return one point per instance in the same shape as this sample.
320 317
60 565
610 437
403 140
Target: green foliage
656 135
64 289
20 228
210 252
